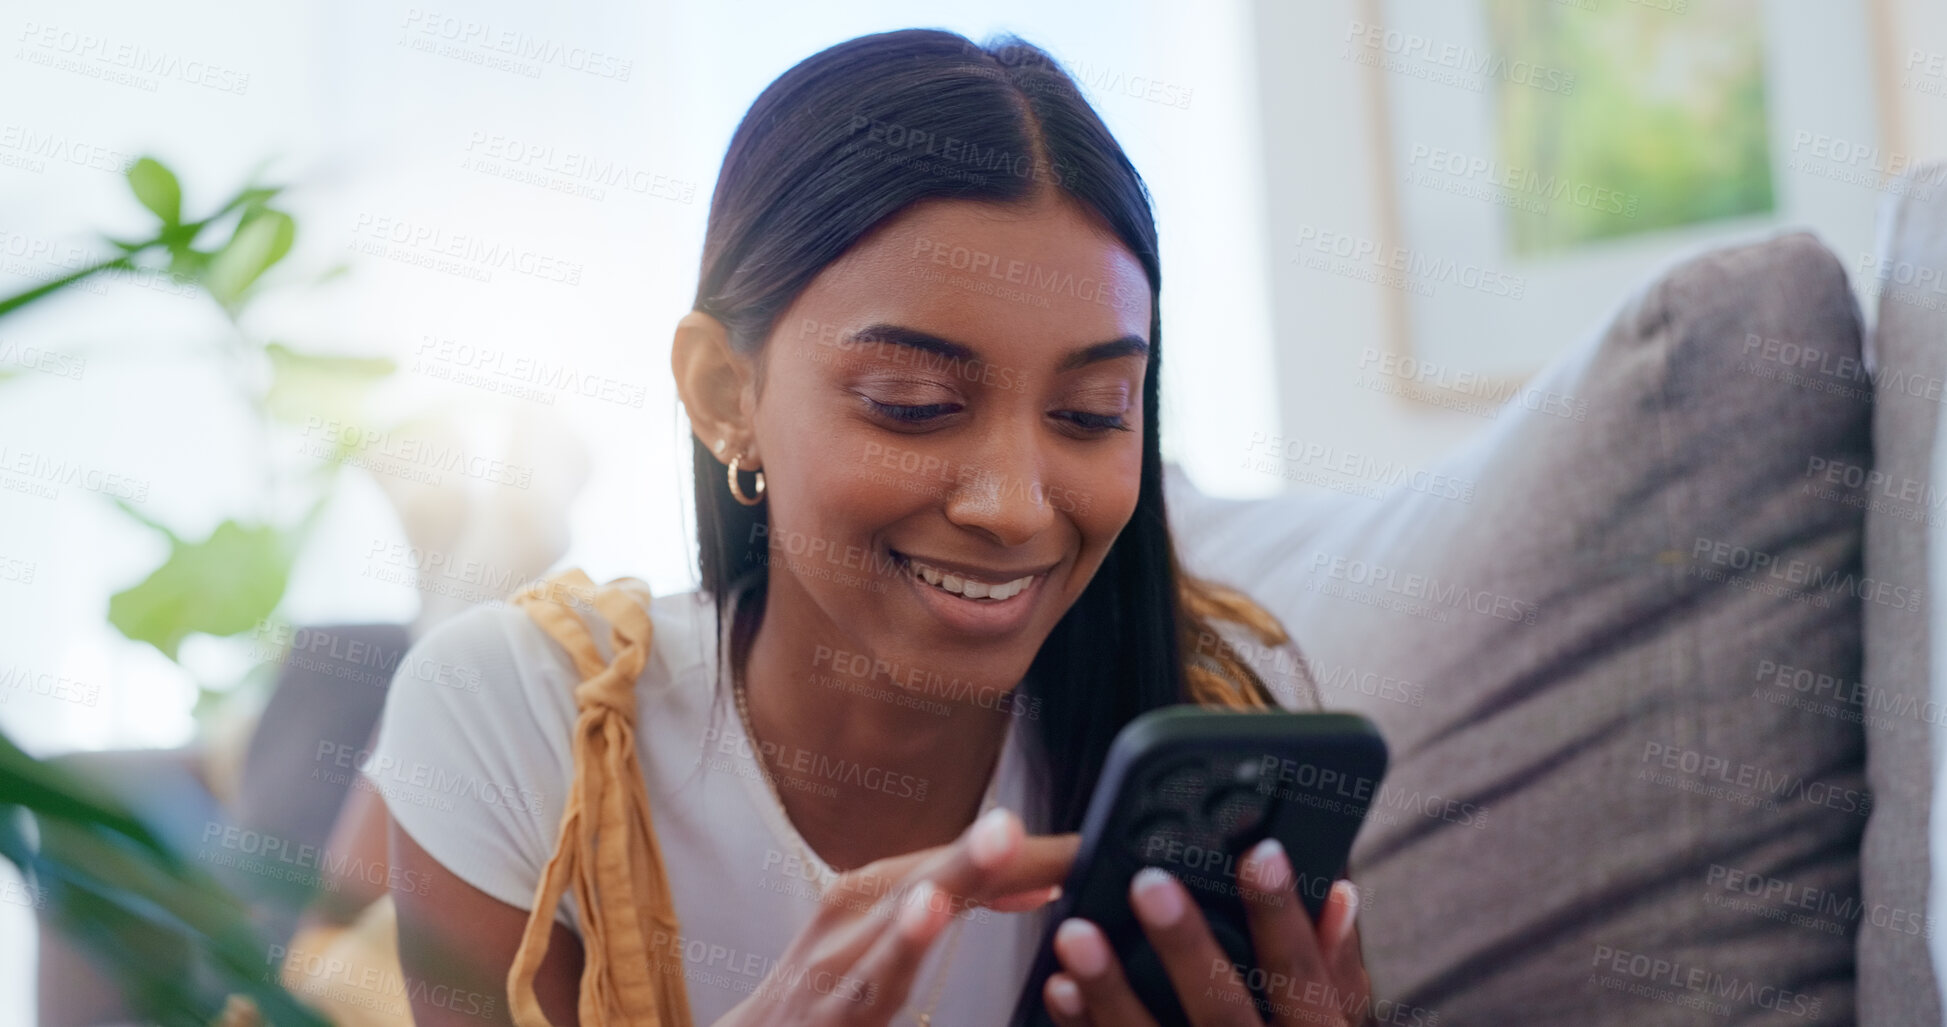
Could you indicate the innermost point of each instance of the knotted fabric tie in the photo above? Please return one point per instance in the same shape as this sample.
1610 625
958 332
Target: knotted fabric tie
606 849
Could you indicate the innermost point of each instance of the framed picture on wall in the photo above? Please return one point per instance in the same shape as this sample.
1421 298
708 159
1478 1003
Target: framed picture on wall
1544 157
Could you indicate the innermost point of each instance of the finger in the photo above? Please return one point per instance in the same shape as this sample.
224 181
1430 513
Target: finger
1351 980
859 903
1087 959
1043 862
883 976
1190 955
1336 921
1348 959
992 860
1063 997
1027 901
996 858
1282 938
1345 958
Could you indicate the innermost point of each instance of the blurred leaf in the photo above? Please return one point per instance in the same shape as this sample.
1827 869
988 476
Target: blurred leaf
14 846
45 289
220 586
261 240
187 263
305 385
175 941
178 238
145 520
133 903
157 188
286 234
249 199
44 788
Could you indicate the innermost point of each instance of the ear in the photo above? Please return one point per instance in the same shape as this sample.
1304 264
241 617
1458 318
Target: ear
715 384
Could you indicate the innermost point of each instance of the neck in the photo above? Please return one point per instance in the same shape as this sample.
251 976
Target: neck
862 771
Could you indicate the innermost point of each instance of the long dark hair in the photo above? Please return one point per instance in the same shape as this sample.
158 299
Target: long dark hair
855 134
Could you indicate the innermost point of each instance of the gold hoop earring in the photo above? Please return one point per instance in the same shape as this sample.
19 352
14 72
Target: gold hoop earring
737 491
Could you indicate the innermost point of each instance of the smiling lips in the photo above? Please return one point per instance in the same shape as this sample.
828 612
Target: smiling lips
966 587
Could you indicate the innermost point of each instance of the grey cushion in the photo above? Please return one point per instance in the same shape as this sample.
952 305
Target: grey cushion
1594 760
1908 353
331 685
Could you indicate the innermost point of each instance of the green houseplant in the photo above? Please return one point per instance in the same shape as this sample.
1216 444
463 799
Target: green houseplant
106 879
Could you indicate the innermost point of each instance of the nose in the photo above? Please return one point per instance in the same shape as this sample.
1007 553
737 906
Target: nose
1001 494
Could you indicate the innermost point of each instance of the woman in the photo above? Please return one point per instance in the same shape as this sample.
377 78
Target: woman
921 372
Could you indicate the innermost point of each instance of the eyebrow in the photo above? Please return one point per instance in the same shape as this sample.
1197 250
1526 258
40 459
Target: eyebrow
900 335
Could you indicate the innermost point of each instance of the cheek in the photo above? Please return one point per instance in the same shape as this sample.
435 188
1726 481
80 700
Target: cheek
846 485
889 474
825 486
1103 496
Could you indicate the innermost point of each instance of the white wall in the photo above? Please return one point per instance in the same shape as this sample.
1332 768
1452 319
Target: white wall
1319 135
1915 36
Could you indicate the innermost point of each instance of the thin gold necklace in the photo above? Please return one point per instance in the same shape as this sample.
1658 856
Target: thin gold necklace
924 1018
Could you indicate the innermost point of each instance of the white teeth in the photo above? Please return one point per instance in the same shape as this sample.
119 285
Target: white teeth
966 586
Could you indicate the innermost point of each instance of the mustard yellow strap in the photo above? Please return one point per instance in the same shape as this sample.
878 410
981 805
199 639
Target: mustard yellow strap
552 604
606 849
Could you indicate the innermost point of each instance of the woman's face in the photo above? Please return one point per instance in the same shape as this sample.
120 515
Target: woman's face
959 398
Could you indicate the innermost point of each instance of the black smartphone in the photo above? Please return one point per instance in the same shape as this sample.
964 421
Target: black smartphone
1191 789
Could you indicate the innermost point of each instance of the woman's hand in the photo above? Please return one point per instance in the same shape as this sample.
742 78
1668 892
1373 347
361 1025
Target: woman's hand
1313 978
855 962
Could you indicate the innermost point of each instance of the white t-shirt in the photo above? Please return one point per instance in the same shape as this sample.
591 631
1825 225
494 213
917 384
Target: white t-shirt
474 755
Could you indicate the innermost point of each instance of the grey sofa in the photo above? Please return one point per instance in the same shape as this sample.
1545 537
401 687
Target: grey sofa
1658 678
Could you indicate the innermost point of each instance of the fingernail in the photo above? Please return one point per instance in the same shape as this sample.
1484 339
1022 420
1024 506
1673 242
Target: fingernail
918 913
1351 911
1156 897
989 839
1065 995
1050 894
1273 867
1082 948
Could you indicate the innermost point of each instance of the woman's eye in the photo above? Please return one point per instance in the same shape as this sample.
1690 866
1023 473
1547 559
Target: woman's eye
1096 422
911 413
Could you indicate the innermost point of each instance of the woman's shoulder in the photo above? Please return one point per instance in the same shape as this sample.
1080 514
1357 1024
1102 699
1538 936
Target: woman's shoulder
502 646
475 750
